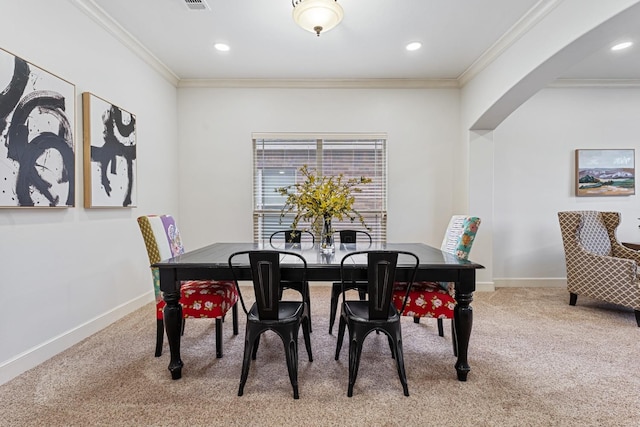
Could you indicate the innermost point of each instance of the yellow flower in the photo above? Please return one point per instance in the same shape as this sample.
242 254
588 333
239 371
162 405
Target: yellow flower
319 198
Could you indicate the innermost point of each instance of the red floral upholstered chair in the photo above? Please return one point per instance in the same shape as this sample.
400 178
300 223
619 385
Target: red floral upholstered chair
199 298
437 299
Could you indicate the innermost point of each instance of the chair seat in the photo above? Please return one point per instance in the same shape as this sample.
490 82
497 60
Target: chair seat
288 311
426 299
358 311
204 298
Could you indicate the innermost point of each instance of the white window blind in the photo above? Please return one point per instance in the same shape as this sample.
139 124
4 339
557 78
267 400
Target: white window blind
278 158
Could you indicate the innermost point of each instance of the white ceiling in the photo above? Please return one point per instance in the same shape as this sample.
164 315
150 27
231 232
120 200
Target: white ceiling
368 44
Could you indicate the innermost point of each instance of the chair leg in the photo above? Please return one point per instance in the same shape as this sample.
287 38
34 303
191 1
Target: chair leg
218 338
400 364
160 336
416 320
234 312
246 361
308 301
440 327
355 350
291 350
306 324
341 327
335 290
637 312
392 346
454 338
573 298
256 343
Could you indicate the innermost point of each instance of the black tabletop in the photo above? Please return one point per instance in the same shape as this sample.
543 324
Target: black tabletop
216 256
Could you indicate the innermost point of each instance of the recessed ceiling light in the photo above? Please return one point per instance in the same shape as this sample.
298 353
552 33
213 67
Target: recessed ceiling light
221 47
414 46
622 45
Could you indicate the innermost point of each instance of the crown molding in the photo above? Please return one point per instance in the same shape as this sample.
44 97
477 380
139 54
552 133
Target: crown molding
321 83
97 14
528 21
595 83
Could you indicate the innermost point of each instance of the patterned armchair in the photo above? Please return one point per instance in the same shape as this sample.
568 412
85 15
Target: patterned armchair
199 298
598 266
437 300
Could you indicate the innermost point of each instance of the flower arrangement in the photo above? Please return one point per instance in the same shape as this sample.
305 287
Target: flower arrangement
318 199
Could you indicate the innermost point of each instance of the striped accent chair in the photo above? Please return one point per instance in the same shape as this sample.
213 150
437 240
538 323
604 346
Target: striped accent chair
598 266
437 299
198 298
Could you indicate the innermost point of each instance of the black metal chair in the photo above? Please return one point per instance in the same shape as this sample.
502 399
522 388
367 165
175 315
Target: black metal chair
352 236
269 312
348 239
377 313
293 239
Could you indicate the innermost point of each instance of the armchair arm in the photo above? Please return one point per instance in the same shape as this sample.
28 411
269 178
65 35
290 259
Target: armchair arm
621 251
612 221
601 276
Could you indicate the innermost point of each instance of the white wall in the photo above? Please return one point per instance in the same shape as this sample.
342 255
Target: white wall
534 172
215 127
66 273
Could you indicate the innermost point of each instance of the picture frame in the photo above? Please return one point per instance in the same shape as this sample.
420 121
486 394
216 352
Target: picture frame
110 158
605 172
37 144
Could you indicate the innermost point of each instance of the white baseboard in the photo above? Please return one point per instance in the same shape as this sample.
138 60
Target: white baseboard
530 282
34 356
485 287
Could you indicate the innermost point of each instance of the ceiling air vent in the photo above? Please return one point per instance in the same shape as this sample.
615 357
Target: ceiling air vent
197 5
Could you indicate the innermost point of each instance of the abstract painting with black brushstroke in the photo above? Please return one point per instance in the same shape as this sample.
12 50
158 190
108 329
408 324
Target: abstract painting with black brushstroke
109 154
37 120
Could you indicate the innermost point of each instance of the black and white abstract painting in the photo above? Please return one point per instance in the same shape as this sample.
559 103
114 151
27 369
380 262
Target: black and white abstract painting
37 120
109 154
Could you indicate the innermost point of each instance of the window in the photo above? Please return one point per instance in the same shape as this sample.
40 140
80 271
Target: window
277 159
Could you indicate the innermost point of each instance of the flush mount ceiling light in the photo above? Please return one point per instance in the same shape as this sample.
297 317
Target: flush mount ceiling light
317 15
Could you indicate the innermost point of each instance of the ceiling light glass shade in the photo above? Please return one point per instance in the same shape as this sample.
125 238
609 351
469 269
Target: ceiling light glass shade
317 16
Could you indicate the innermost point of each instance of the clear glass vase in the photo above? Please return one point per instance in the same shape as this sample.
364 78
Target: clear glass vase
326 237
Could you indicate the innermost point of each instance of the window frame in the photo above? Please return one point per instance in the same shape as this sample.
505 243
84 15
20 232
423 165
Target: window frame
376 218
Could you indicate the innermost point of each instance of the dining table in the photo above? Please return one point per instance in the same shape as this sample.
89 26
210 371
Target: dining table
211 263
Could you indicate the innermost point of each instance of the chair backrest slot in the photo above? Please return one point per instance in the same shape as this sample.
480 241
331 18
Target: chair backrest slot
382 271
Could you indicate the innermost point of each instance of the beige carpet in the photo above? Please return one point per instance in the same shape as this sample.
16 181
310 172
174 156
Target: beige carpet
535 361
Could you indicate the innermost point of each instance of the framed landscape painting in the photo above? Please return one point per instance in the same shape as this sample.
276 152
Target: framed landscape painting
109 154
37 122
605 172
